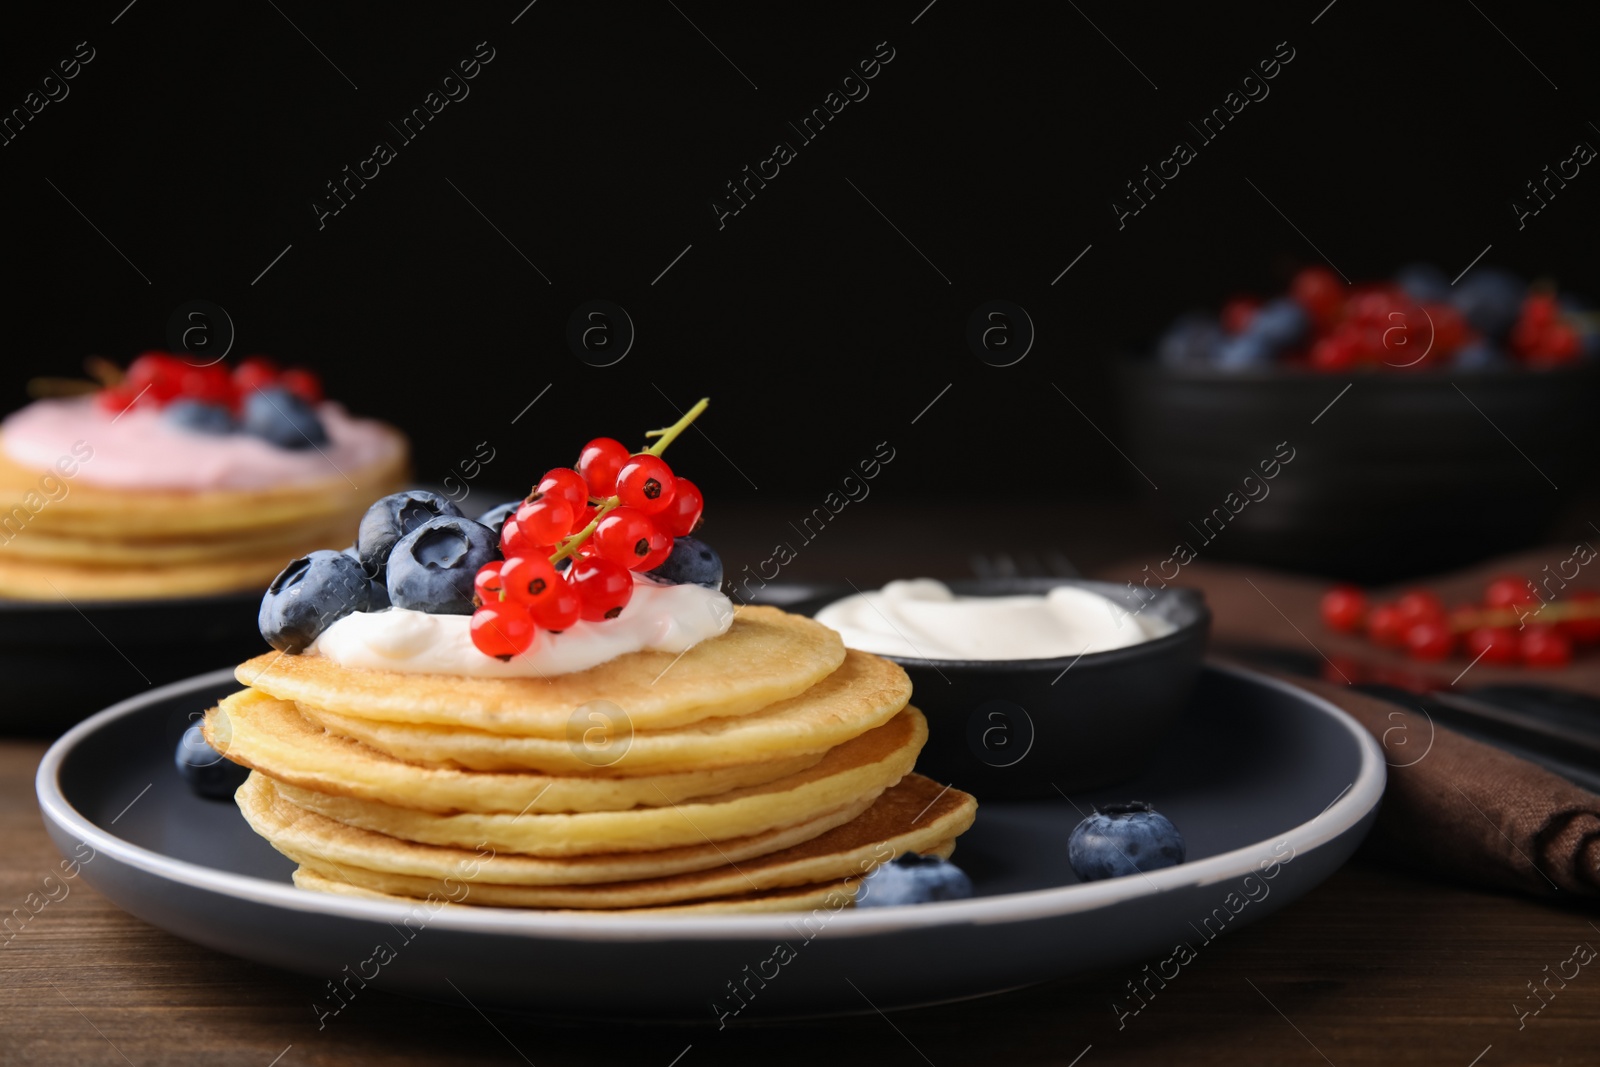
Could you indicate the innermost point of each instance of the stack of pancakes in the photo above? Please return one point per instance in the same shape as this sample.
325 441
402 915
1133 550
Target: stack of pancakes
100 543
766 769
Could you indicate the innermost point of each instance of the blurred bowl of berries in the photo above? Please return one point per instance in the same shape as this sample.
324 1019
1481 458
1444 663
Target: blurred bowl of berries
1336 429
1517 622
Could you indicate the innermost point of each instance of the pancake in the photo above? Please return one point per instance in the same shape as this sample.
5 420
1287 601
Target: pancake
274 738
865 692
285 541
765 656
41 580
833 896
299 833
917 815
864 766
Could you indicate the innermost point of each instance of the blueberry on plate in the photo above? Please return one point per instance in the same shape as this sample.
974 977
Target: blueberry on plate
911 878
1245 351
433 567
1490 300
1282 324
200 417
208 772
692 562
310 595
1424 283
1122 839
390 519
276 415
496 517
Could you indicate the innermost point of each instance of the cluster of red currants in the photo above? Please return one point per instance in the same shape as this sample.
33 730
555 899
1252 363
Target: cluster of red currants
156 379
1498 630
615 513
1381 324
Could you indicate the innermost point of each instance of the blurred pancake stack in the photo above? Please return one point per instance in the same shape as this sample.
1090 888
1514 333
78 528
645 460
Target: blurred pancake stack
182 480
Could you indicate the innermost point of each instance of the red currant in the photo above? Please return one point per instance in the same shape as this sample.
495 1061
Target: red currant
603 588
567 484
683 514
303 384
1508 593
514 541
155 375
545 521
1450 329
528 579
1544 646
1321 293
600 462
209 385
486 583
254 372
1385 626
1336 352
502 630
1558 344
1430 639
646 483
1495 644
660 549
116 399
1419 605
624 537
1237 313
560 608
1344 607
1585 629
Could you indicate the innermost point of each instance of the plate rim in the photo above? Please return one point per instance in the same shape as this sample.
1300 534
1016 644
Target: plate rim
1356 803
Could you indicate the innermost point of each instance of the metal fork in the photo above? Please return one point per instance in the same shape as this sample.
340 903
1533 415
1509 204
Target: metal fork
1051 564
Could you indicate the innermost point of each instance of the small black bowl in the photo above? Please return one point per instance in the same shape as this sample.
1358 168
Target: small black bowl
1028 728
1366 469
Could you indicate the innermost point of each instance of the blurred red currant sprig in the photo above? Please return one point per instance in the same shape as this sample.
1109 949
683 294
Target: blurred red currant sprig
1510 625
613 512
156 379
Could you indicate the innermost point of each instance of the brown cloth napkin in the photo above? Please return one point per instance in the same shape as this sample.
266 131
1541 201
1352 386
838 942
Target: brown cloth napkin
1454 807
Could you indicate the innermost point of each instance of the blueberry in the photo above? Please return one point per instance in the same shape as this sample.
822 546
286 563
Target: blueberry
1193 338
692 562
1121 839
392 518
913 879
308 596
1243 352
200 417
1282 324
433 566
1491 300
208 772
380 595
1480 355
1424 283
496 516
274 414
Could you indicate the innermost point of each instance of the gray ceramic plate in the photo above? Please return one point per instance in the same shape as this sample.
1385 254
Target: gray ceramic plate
1272 788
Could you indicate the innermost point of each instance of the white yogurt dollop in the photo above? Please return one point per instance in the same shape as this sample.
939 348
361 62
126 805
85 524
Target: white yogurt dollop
922 618
658 618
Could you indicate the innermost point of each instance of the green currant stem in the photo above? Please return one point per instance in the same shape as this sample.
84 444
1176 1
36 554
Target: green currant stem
570 546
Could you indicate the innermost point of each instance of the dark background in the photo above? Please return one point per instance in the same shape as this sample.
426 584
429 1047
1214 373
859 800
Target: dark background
198 139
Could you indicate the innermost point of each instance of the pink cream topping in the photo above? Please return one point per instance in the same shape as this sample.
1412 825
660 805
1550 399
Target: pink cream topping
139 449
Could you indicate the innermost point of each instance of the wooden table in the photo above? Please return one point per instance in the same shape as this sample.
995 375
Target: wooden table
1376 966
